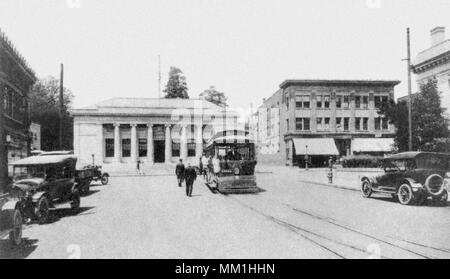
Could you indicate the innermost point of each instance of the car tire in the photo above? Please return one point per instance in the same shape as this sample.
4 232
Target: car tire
365 189
236 171
42 210
75 201
441 200
105 179
15 236
405 194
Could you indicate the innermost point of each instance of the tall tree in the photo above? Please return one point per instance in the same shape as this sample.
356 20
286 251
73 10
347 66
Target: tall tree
44 109
429 125
176 85
215 97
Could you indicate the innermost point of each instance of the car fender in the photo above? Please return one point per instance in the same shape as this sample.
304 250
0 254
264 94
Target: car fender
37 196
105 174
414 184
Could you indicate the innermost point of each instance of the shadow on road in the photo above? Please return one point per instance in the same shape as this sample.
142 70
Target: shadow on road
427 203
91 192
9 251
59 213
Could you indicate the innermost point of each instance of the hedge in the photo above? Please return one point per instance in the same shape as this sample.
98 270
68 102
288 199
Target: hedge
361 161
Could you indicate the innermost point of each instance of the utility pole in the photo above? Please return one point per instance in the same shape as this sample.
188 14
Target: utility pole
61 107
409 91
3 152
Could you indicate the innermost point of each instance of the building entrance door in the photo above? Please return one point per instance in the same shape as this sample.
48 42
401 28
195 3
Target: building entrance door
159 151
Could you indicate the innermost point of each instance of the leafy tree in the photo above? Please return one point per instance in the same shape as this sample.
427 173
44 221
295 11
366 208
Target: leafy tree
429 125
215 97
44 109
176 86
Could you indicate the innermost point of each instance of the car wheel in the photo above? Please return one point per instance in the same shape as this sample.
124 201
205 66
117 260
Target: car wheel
75 204
365 189
15 236
105 179
42 211
236 171
442 200
405 194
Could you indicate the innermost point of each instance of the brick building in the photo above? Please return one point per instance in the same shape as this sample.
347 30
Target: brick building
322 118
16 79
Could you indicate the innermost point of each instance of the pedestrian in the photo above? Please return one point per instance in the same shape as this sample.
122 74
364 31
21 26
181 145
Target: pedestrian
205 163
190 177
179 171
200 164
141 167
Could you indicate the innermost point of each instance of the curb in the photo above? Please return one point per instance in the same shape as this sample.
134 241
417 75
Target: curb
331 185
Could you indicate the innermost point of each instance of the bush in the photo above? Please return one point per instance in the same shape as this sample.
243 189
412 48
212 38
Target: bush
361 161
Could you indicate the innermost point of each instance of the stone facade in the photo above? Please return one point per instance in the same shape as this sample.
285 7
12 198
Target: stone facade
339 109
16 80
119 132
434 62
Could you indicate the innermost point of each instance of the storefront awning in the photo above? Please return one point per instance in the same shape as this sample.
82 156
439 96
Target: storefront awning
316 146
373 145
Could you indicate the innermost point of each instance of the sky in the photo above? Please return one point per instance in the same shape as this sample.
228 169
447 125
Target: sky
244 48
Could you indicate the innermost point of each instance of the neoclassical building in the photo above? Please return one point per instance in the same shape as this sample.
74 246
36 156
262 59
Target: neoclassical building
118 132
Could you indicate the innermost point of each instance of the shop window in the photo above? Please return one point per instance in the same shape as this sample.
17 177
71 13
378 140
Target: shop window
142 147
109 148
126 148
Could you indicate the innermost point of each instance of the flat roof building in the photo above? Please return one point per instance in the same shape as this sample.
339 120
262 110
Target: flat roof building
323 118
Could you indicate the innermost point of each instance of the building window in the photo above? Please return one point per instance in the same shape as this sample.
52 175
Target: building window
381 101
142 147
302 124
339 124
385 124
175 149
302 102
381 123
327 124
287 125
319 101
191 149
358 124
326 101
109 148
346 102
346 124
358 102
338 102
365 124
319 124
365 102
126 148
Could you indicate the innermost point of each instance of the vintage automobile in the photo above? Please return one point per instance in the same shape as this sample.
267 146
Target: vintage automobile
411 178
85 176
236 152
41 182
10 219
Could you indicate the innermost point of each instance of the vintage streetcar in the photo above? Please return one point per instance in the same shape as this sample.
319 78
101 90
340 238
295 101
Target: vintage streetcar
412 178
41 182
10 219
236 153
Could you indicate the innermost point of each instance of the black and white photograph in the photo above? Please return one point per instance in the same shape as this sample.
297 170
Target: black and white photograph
224 130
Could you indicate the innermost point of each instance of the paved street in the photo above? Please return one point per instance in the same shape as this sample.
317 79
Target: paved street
149 217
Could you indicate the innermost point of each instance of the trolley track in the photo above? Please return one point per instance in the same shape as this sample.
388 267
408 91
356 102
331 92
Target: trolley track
334 245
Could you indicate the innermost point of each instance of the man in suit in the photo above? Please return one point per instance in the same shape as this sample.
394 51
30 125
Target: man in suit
190 176
179 171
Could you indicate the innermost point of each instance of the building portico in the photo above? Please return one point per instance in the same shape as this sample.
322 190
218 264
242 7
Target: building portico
120 132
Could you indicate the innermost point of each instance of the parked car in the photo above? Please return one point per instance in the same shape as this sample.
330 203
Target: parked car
85 176
40 182
411 178
10 219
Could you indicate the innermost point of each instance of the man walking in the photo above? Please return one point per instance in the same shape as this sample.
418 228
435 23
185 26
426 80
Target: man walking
180 172
190 176
205 164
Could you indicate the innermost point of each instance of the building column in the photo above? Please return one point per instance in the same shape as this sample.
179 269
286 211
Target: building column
168 151
117 143
133 143
150 151
183 142
372 113
199 141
